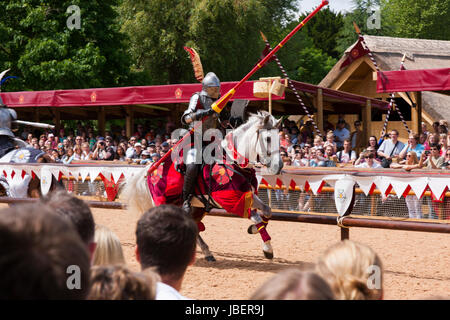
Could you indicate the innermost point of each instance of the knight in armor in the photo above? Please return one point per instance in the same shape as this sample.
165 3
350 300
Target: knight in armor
7 142
199 108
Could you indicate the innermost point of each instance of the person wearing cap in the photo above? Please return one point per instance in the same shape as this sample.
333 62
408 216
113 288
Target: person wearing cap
199 109
155 157
53 142
137 152
145 157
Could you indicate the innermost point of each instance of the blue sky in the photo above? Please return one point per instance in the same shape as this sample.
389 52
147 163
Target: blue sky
335 5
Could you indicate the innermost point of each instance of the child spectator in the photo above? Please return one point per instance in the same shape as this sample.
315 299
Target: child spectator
108 247
353 270
330 142
431 160
119 283
294 284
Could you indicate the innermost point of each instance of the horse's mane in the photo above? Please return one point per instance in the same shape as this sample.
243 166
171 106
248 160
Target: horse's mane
252 120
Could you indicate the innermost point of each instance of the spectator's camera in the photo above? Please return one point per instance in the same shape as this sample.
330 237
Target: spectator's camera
427 152
297 151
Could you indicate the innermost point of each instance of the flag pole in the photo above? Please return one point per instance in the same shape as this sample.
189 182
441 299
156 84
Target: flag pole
221 103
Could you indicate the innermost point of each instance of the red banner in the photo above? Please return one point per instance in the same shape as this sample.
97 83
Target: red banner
414 80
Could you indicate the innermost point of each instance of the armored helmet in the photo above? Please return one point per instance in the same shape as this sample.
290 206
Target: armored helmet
210 80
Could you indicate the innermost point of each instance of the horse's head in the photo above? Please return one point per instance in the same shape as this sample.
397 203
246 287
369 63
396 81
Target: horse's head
258 140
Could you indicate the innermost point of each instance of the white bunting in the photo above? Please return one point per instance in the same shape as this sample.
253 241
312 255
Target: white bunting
399 185
437 186
418 185
365 183
315 183
382 184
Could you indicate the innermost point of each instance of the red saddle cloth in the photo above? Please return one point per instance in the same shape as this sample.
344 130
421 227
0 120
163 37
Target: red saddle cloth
228 184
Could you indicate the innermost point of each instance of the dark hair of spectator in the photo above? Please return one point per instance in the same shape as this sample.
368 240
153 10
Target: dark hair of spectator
166 239
37 249
74 210
436 145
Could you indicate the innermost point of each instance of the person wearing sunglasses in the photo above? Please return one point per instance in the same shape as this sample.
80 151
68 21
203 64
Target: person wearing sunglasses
369 161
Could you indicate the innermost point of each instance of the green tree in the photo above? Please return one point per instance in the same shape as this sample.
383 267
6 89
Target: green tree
323 29
314 65
361 15
37 45
224 33
423 19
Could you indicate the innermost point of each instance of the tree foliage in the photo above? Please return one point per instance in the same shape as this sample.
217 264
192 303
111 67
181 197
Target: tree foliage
37 45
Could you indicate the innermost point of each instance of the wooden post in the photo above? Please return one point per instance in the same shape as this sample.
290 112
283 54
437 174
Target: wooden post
419 111
270 96
345 234
129 121
36 114
367 120
101 121
319 104
57 121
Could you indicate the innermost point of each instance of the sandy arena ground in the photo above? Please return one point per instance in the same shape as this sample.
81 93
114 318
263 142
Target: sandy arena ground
416 264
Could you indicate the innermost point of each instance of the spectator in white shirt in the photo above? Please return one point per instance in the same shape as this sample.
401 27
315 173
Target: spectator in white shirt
391 147
369 161
341 133
347 155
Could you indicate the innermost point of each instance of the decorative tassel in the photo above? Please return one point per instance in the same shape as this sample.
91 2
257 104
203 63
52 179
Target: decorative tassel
196 63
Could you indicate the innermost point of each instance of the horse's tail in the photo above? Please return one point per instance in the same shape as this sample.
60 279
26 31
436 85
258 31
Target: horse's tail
136 194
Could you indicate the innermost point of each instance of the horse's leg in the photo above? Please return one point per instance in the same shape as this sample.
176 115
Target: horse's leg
260 225
205 249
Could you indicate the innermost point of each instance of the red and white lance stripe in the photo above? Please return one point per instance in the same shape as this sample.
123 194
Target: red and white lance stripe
392 96
297 95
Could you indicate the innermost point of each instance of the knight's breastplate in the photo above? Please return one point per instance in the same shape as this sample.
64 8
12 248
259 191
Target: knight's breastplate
205 102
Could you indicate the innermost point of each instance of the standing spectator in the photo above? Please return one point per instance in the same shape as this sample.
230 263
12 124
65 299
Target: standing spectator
166 240
341 117
37 248
91 139
443 143
341 133
348 267
293 284
413 145
424 128
433 160
330 141
435 127
346 155
61 136
119 283
356 137
390 148
77 212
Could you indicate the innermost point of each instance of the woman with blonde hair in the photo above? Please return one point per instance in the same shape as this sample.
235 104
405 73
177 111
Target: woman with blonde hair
353 270
108 250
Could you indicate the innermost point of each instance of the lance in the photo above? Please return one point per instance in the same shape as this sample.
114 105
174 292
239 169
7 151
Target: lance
221 103
392 96
291 85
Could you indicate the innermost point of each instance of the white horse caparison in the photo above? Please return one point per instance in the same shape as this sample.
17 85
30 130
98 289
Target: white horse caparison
252 139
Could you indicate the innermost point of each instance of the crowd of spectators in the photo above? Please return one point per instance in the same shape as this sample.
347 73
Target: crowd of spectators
300 145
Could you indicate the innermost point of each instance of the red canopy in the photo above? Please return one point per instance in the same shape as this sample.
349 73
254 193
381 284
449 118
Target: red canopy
163 94
414 80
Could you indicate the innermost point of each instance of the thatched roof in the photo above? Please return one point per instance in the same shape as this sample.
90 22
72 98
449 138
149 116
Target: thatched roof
420 54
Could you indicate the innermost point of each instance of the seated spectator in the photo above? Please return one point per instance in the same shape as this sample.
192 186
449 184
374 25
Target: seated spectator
38 251
77 153
108 247
110 144
75 211
299 159
102 152
55 155
156 157
52 141
347 155
353 270
443 144
317 158
68 157
166 240
341 133
413 145
137 152
373 143
119 283
369 162
145 157
86 154
330 155
130 150
431 160
432 139
446 164
294 284
120 154
165 146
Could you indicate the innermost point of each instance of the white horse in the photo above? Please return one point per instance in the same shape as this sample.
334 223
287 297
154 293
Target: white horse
257 139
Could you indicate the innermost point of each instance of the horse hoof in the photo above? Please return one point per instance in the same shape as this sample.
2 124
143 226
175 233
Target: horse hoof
252 229
268 255
210 259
